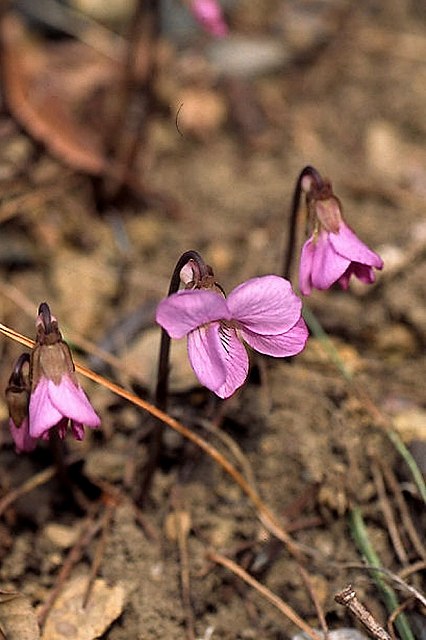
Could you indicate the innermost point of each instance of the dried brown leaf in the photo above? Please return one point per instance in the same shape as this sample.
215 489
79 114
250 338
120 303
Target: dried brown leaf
18 620
69 620
37 107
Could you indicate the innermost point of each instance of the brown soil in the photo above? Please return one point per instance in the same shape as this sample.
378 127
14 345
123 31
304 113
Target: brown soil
352 107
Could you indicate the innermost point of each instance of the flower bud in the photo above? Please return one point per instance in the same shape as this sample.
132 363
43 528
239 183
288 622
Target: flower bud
18 392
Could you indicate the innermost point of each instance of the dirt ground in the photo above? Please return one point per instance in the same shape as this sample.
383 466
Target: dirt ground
345 93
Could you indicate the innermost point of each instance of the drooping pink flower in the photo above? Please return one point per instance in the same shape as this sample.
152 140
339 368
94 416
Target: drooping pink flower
56 398
334 252
209 14
17 398
264 312
57 404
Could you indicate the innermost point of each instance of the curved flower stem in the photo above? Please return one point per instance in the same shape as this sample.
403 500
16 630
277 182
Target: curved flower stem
16 379
46 316
316 178
265 515
162 387
202 270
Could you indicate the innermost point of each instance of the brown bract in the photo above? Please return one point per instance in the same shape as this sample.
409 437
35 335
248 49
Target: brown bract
51 361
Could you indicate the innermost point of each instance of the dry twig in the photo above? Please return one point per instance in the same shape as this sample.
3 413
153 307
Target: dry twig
388 514
347 597
282 606
407 521
182 542
88 532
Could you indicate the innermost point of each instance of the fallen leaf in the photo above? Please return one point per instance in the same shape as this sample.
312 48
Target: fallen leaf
37 107
18 620
68 620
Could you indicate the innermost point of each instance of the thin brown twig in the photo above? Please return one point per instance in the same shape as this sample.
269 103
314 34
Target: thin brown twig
388 514
89 531
100 549
30 200
22 301
233 447
318 608
182 542
396 578
26 487
282 606
394 615
267 518
348 598
265 515
118 495
420 565
407 521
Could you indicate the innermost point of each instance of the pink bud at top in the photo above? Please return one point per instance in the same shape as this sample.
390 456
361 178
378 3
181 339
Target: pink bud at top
209 14
263 312
186 274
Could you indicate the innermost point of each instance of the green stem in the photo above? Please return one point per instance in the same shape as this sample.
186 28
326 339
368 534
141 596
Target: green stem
360 535
317 330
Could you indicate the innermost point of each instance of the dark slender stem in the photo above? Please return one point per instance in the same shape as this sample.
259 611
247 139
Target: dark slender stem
137 101
295 206
58 454
161 390
162 387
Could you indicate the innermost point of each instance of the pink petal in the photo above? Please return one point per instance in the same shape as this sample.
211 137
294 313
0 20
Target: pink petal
348 245
77 430
62 428
21 436
218 358
327 265
265 305
204 357
72 402
209 14
185 311
283 345
42 414
305 267
236 361
361 271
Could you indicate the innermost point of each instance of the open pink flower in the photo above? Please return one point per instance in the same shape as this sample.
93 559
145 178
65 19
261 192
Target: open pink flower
333 252
209 14
264 312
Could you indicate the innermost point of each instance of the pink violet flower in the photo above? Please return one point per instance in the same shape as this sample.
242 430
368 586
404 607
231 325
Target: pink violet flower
209 14
56 399
334 252
264 312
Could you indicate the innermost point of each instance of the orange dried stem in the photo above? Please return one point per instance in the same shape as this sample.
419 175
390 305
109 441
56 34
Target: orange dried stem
266 516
